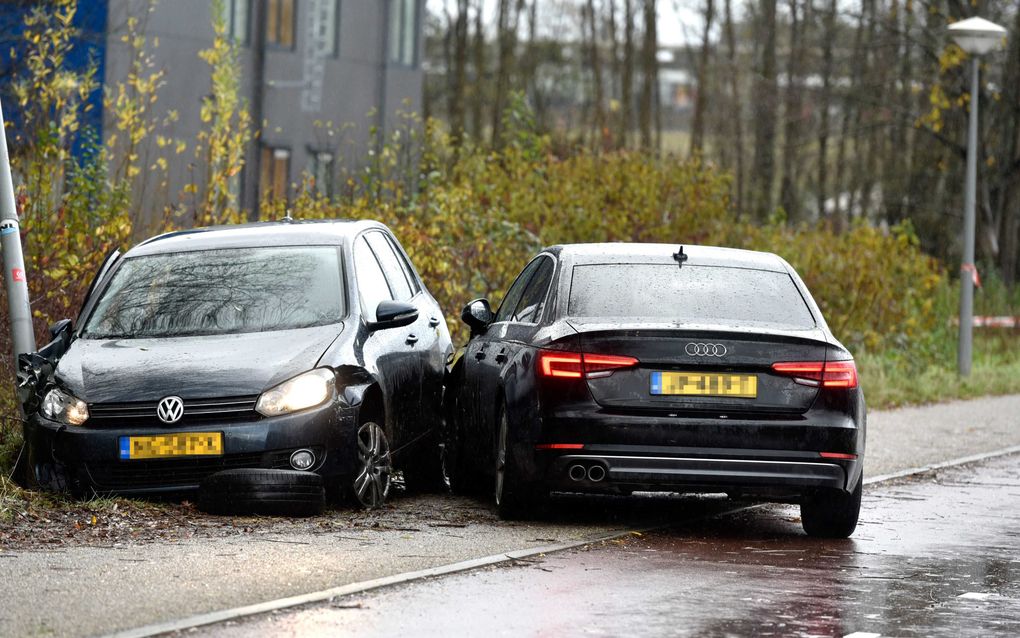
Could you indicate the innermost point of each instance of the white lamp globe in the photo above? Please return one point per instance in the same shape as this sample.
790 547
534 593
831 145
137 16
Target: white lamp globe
977 36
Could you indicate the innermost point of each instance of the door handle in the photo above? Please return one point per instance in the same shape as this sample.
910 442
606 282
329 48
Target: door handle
501 356
480 355
433 322
411 339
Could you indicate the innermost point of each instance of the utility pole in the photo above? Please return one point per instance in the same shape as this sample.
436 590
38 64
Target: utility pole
22 333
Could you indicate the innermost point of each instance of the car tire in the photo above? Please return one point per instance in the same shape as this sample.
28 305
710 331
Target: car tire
371 483
262 491
515 499
832 513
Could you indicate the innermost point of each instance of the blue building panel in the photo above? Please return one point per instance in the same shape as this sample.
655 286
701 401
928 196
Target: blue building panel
88 47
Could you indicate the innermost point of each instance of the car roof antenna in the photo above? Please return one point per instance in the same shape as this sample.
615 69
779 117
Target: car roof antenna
680 257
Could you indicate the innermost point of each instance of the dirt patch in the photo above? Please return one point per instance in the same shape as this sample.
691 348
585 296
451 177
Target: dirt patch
30 520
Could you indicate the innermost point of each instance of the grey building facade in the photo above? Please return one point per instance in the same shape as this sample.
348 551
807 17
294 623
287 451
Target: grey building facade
318 75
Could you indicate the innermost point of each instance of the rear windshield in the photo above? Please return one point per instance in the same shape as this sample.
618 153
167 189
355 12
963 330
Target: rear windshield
213 292
693 294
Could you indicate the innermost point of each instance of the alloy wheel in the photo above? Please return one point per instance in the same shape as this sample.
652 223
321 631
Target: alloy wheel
372 484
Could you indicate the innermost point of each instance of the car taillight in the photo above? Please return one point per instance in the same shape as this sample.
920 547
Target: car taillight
574 365
828 374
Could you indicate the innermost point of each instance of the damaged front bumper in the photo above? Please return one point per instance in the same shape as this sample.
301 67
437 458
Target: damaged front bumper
88 459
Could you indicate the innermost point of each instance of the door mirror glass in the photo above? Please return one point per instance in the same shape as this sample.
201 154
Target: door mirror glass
393 314
477 315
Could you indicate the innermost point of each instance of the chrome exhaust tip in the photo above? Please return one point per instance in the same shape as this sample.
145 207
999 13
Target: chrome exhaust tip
596 473
577 472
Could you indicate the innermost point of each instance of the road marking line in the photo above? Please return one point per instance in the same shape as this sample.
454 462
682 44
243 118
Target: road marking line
210 618
862 634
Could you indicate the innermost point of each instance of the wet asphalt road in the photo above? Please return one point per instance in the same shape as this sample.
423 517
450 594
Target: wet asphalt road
937 555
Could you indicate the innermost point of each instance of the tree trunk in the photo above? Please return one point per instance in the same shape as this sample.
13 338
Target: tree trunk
825 102
595 62
478 93
459 65
650 74
765 92
701 98
789 197
736 115
627 75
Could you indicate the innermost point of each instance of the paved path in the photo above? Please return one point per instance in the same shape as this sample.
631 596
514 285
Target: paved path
90 590
911 570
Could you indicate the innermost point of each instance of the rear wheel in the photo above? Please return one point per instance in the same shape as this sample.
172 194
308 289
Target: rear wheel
832 513
515 499
371 484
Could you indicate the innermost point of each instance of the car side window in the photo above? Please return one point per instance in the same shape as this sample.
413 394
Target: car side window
372 284
513 295
408 271
391 267
529 308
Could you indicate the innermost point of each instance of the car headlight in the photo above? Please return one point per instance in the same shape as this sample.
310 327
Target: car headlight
62 407
300 393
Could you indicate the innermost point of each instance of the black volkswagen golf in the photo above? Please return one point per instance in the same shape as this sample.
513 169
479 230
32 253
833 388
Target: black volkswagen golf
299 346
625 367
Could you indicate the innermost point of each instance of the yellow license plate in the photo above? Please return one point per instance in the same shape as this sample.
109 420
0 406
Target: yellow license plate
169 445
705 385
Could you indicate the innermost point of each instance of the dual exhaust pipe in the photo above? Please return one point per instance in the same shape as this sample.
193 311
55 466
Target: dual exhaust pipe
594 473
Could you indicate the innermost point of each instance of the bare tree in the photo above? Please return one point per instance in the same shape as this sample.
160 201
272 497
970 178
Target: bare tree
701 97
765 102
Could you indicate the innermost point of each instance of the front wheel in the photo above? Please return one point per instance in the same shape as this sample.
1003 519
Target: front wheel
514 498
371 483
832 513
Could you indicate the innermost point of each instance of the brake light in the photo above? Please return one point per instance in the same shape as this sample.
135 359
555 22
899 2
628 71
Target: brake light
566 365
828 374
574 365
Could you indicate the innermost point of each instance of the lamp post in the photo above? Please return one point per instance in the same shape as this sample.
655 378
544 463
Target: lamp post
976 36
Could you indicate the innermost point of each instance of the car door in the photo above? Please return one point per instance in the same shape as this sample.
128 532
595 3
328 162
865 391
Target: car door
395 358
433 346
481 369
419 336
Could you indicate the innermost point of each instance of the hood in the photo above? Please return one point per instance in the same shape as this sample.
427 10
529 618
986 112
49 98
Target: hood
128 370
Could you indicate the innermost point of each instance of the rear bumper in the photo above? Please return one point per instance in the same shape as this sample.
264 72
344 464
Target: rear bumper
694 473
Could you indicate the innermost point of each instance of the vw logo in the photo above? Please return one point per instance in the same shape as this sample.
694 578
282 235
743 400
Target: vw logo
705 349
170 409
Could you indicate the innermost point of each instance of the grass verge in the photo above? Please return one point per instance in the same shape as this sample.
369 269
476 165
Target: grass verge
893 379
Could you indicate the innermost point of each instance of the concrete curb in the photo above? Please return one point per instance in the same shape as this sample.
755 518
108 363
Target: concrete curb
475 563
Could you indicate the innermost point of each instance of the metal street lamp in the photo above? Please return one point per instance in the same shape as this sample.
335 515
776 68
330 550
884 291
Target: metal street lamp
976 36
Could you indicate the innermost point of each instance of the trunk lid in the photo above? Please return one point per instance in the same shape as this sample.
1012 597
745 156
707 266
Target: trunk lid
714 359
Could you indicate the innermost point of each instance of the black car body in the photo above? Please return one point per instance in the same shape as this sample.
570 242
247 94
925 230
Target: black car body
278 342
626 367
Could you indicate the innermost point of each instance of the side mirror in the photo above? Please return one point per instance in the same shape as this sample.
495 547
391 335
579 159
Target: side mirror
393 314
57 329
477 315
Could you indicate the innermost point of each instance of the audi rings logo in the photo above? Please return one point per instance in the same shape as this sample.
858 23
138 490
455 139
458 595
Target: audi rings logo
170 409
705 349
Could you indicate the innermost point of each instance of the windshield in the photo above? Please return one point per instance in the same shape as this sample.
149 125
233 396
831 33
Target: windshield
214 292
693 294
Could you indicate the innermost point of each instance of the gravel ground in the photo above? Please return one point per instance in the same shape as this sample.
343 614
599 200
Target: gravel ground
96 568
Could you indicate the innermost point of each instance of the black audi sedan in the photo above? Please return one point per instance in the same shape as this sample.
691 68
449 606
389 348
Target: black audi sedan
617 368
300 346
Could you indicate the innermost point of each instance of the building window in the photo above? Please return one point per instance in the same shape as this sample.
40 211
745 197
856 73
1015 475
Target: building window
322 172
274 169
322 26
403 36
280 23
235 17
